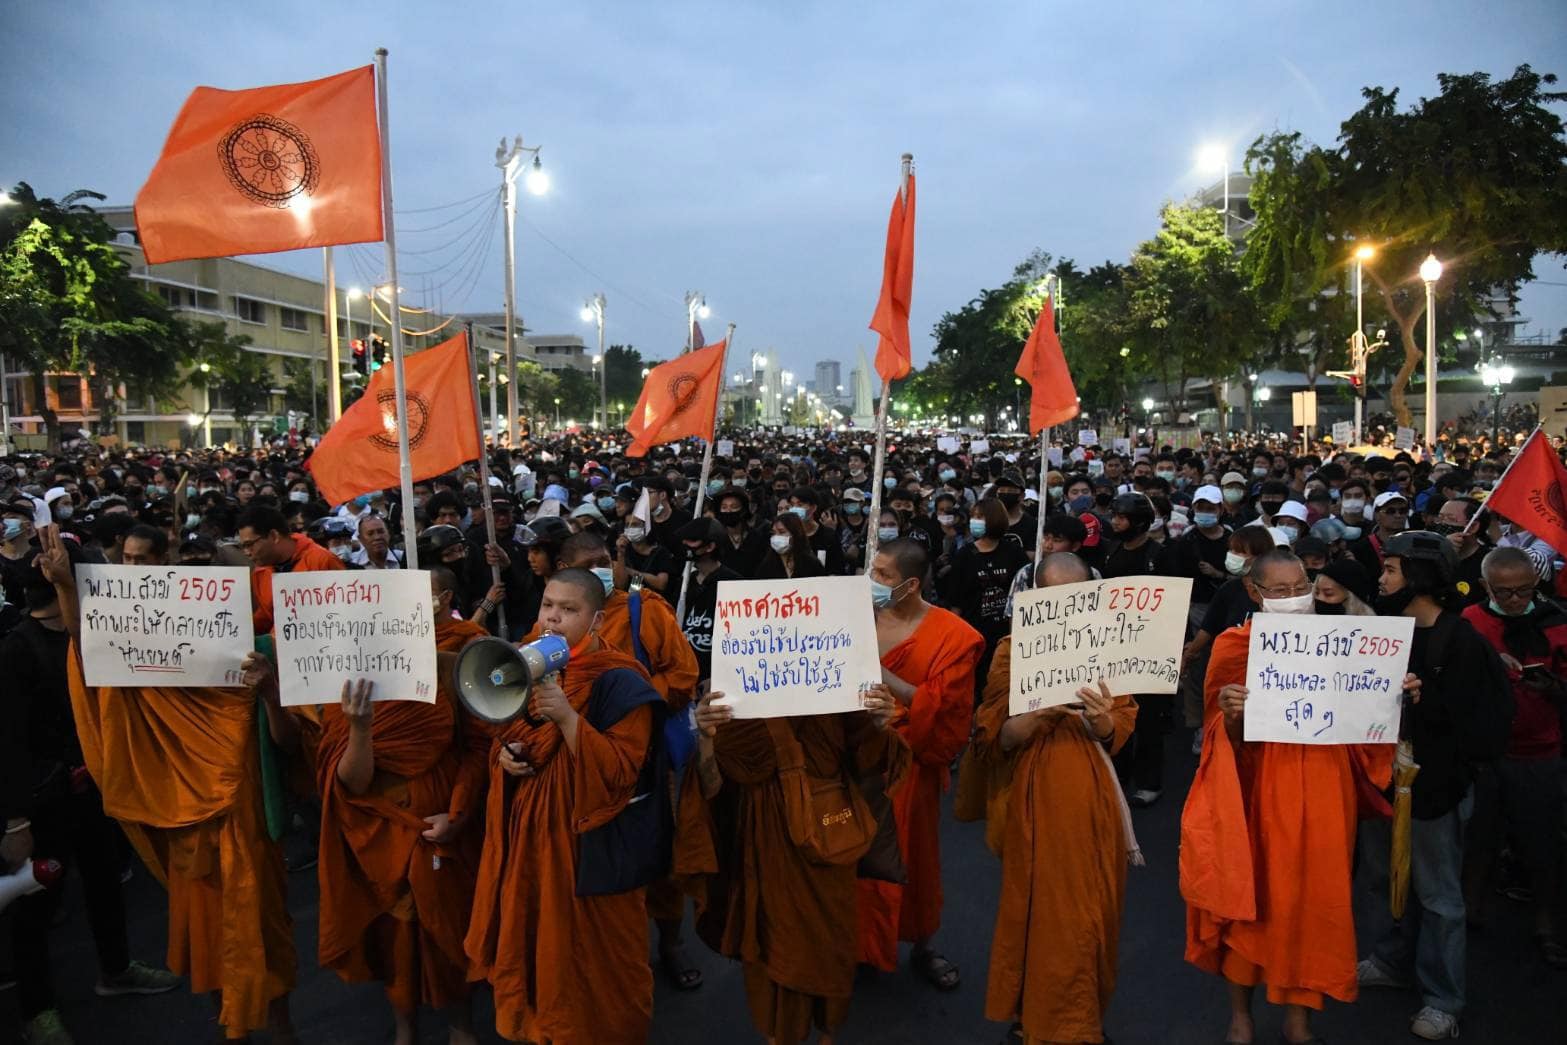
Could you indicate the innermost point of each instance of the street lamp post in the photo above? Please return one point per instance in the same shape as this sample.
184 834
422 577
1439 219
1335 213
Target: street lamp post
1430 272
1358 350
1216 157
1498 375
557 413
510 164
696 306
593 309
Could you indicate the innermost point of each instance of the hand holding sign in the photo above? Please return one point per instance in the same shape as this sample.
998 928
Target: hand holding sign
164 625
336 626
1326 680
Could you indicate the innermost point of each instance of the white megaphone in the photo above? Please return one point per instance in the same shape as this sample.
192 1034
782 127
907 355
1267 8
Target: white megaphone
34 876
494 679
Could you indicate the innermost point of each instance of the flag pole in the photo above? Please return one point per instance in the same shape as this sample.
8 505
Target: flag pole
872 538
484 471
707 465
1051 282
334 387
404 462
1474 523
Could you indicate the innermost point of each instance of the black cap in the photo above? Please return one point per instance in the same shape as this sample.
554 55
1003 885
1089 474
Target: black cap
1348 574
197 542
705 529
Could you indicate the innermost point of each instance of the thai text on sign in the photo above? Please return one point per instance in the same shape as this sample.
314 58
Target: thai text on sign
164 625
1326 680
1126 632
800 647
333 627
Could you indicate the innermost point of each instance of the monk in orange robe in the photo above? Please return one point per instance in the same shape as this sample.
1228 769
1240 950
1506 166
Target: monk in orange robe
264 536
1062 828
672 667
399 783
567 968
928 659
1267 838
784 917
179 769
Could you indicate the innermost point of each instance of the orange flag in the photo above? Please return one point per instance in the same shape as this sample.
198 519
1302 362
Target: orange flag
894 358
1043 366
271 168
1531 492
679 398
359 454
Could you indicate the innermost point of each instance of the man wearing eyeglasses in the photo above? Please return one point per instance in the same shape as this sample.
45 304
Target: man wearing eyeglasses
1390 514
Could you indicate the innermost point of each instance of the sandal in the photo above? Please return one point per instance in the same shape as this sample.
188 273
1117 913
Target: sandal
941 974
678 970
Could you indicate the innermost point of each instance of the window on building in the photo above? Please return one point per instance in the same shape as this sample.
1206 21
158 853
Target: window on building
293 319
208 301
68 392
250 311
174 297
136 431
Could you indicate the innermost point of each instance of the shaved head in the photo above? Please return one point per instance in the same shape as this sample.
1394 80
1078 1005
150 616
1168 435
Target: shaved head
1061 568
585 582
906 558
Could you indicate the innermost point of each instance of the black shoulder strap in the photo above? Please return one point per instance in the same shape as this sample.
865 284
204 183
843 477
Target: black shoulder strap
1440 645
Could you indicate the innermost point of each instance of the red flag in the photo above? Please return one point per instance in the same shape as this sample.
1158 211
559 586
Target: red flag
1043 366
359 454
698 340
894 358
1530 494
679 398
266 169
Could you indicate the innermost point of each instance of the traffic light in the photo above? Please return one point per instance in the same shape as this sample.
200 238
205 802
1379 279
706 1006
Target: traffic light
359 356
377 352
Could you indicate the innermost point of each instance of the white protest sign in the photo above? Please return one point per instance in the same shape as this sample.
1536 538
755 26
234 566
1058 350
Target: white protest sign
1087 437
724 448
333 625
979 446
164 625
1127 631
1053 455
947 444
1096 467
1121 445
1326 680
1404 438
802 647
1079 454
1344 432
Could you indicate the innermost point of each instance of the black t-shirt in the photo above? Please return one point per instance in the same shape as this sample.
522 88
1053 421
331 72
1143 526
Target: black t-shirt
658 560
826 540
1179 558
979 583
701 608
664 532
746 557
1122 561
1231 607
1026 530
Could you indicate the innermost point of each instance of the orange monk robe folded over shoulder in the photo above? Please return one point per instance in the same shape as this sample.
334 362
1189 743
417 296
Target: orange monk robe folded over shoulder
672 667
1267 839
564 968
761 901
394 906
1063 867
939 659
179 769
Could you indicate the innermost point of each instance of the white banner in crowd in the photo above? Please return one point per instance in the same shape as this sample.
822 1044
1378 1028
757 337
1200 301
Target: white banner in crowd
333 626
724 448
162 626
1326 680
1087 437
802 647
979 446
1404 438
1343 432
1127 631
947 444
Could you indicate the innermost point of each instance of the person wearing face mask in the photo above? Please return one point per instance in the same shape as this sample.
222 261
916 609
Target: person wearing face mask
805 503
928 660
789 552
1462 719
1235 493
853 527
1391 512
642 562
57 813
18 546
1199 554
1353 509
62 506
1451 519
1009 491
1133 553
979 580
1342 589
667 518
744 545
1291 517
1233 602
1522 798
1269 830
703 539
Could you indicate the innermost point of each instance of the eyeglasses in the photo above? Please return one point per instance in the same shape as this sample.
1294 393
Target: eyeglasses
245 546
1292 592
1504 594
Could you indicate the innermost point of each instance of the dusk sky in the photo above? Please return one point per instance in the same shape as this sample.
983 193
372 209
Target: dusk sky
750 150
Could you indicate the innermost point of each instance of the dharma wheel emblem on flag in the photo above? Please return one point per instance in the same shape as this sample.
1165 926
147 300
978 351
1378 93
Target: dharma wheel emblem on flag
683 390
269 160
418 418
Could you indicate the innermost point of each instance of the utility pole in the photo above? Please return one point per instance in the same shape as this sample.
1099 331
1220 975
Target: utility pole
510 164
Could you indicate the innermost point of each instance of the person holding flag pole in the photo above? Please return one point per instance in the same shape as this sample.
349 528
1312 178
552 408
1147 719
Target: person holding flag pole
1531 495
894 357
1052 397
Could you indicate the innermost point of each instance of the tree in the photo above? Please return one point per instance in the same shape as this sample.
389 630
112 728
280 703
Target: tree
68 304
303 391
578 392
234 372
623 366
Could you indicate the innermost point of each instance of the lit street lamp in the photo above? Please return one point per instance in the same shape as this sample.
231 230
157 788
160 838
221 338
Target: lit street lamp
1498 375
696 306
1217 158
1430 272
538 182
593 310
557 413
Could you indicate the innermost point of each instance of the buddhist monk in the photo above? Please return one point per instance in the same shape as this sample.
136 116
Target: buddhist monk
784 917
1062 828
400 782
664 651
179 769
928 659
567 968
1267 837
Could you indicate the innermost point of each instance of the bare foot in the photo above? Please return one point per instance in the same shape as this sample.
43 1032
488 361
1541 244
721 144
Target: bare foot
1242 1028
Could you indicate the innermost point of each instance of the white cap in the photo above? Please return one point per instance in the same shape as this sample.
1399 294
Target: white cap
1292 510
1211 494
1382 498
54 493
1281 536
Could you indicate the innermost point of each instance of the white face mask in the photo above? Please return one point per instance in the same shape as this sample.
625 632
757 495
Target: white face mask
1294 604
1235 563
1353 505
635 534
780 542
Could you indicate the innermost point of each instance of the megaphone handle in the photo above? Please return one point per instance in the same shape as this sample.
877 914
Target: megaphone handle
528 716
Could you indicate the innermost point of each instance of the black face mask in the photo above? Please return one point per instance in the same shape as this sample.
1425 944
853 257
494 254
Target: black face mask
1270 507
1009 500
693 554
731 518
1328 609
1395 604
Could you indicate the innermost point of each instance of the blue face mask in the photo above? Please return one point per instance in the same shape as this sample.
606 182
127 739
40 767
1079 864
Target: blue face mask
1352 533
947 475
13 529
798 510
606 504
851 507
881 594
976 527
606 576
889 482
362 501
714 485
1205 519
887 533
1494 609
